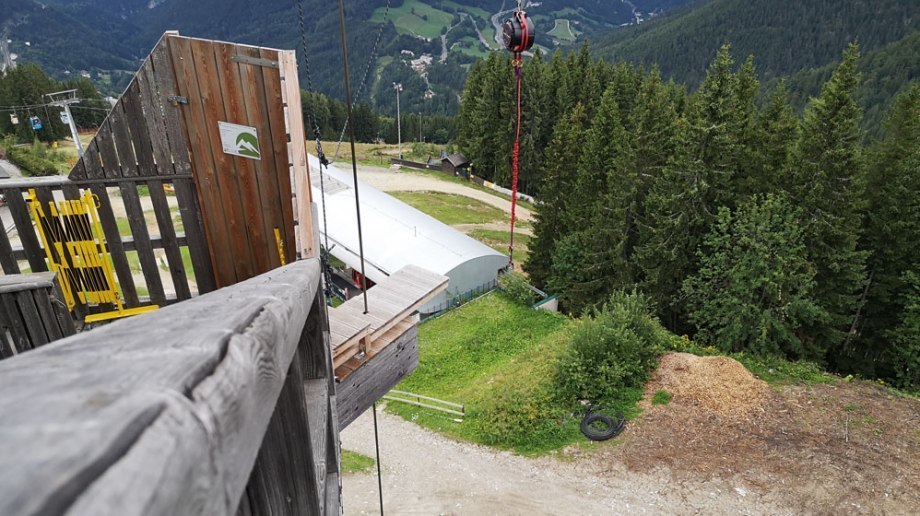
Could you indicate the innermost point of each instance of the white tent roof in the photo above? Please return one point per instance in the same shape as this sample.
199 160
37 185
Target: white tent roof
395 234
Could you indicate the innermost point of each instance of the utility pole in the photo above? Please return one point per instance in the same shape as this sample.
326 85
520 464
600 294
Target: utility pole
420 127
64 99
398 87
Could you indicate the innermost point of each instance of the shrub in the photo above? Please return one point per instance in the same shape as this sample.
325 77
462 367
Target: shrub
614 350
516 287
34 160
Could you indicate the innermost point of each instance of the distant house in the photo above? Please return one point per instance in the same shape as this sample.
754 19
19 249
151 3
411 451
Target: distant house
455 164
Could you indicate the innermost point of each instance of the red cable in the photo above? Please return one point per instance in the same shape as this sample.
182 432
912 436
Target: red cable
517 61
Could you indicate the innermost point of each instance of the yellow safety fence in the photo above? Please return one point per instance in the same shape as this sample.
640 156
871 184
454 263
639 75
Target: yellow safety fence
75 247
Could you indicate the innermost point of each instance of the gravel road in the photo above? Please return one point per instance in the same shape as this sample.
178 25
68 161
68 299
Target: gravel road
426 473
389 180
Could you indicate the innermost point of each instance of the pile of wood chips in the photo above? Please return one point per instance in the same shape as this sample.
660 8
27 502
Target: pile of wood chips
719 385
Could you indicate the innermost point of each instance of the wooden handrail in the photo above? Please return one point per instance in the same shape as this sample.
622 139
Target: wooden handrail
163 413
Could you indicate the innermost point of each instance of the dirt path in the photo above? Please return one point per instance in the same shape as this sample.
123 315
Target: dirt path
389 180
425 473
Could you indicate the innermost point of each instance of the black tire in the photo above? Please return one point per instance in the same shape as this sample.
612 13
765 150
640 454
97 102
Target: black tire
614 427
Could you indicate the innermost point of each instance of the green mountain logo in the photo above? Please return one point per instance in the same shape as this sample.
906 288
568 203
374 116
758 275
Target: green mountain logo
248 145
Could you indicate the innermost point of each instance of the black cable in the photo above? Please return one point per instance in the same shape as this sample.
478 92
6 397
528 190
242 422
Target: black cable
377 447
351 131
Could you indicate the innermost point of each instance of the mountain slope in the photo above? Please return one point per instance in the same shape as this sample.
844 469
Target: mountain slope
106 36
785 36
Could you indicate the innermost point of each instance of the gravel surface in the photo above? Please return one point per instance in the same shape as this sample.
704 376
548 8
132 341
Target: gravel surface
404 180
426 473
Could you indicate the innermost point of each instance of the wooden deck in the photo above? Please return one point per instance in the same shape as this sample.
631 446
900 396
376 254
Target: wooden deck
392 305
374 351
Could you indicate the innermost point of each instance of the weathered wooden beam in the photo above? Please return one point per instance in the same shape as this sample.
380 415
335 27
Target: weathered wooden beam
162 413
360 389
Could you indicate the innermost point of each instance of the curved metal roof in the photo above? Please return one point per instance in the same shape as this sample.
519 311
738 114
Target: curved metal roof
395 234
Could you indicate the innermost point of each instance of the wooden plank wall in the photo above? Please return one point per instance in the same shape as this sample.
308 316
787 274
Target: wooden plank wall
32 313
166 413
228 206
242 200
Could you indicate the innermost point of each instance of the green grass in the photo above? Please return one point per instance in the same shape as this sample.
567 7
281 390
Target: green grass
492 351
416 18
499 240
460 181
562 31
451 208
354 462
661 398
482 14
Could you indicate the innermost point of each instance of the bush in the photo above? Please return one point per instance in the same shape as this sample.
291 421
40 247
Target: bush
516 287
34 160
613 351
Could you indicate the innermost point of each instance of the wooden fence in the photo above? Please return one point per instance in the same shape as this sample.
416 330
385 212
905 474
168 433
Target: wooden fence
32 313
221 405
163 139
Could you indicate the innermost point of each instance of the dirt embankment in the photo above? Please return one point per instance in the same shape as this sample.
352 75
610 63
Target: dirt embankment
727 443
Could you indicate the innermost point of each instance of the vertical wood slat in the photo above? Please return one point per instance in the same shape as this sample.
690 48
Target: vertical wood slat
105 142
225 167
140 138
274 154
19 210
190 212
121 140
207 186
14 320
168 237
9 264
173 118
135 212
300 168
245 185
61 314
148 95
42 299
115 247
30 318
275 96
91 161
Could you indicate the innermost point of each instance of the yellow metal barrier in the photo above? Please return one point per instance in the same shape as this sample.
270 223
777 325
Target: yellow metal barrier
75 247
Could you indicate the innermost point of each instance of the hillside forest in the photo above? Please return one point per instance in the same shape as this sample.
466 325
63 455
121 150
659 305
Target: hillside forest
750 227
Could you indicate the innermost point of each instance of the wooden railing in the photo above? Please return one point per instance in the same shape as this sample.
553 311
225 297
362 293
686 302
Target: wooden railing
223 404
128 239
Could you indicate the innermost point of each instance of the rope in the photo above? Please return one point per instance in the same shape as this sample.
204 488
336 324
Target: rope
367 68
518 62
323 162
354 162
377 448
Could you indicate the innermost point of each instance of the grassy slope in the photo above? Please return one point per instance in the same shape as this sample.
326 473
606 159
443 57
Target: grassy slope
474 354
408 19
451 208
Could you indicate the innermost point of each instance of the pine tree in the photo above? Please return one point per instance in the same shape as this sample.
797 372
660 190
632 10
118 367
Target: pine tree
555 194
753 289
904 356
825 180
777 130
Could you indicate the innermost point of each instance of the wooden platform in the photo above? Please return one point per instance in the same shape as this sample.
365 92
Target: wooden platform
392 310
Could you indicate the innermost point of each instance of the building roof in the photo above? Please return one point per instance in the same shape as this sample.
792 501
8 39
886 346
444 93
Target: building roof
458 160
394 233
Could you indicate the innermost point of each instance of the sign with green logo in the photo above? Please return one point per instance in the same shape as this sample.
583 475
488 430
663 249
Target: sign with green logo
240 140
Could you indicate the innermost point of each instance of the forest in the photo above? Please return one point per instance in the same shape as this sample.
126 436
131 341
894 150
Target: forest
751 227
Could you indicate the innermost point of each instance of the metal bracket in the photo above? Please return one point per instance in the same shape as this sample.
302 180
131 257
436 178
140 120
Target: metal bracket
268 63
175 100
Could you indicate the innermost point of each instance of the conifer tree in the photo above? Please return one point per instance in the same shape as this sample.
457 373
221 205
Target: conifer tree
555 194
892 223
825 180
777 131
753 289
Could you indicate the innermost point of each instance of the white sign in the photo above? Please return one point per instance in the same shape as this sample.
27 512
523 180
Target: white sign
240 140
64 118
